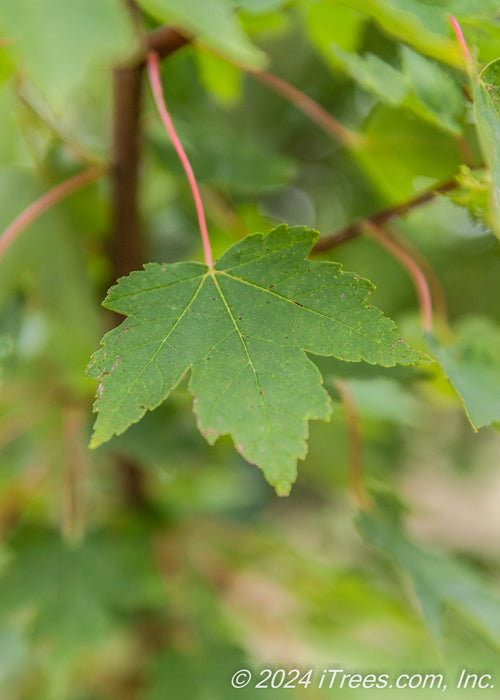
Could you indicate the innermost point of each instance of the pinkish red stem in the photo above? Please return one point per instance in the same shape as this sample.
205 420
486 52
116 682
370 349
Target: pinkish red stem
45 202
157 90
461 40
418 277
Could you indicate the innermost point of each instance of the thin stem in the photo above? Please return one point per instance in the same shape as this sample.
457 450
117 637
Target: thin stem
298 98
157 90
437 292
45 202
355 480
382 216
469 63
416 274
306 105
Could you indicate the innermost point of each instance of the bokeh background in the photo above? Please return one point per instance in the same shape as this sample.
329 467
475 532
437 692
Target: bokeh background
156 566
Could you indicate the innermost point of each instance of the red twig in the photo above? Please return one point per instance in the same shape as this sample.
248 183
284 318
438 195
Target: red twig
45 202
463 44
157 90
437 293
418 277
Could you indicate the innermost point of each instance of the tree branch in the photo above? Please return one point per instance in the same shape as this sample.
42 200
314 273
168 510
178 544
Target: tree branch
126 248
382 216
126 241
164 41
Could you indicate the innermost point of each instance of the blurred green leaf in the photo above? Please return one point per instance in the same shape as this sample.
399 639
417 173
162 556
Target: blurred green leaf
439 581
260 6
421 85
85 587
214 22
423 25
482 34
332 24
386 399
400 152
61 282
206 677
60 44
376 75
487 106
5 346
14 149
6 66
473 193
472 364
219 76
436 96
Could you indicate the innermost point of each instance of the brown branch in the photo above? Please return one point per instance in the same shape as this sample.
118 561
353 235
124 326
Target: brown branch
126 240
126 246
164 42
382 216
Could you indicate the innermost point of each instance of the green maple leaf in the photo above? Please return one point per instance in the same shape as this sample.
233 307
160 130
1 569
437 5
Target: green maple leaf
487 106
472 364
242 329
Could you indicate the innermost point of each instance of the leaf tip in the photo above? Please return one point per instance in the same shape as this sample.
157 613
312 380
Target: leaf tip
98 438
94 442
283 488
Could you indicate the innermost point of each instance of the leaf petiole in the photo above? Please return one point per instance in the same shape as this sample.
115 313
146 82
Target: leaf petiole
469 63
153 65
413 269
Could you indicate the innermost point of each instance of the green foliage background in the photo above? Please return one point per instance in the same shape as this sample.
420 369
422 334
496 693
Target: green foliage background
156 566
